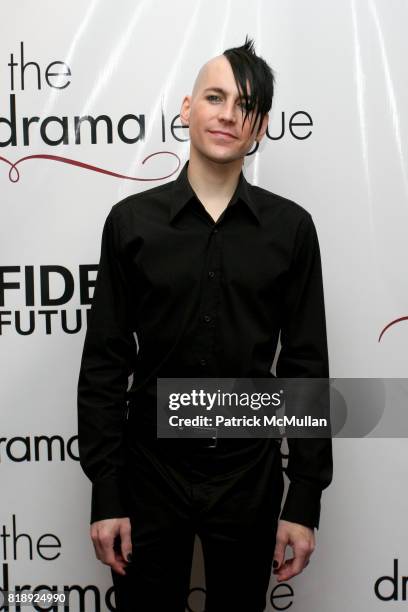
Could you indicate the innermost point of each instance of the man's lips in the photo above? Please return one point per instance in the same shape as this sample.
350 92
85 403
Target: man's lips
221 133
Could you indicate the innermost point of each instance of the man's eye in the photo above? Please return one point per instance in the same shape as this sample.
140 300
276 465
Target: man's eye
245 106
212 96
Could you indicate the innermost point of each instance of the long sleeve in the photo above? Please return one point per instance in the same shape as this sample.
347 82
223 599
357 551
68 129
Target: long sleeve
304 355
108 354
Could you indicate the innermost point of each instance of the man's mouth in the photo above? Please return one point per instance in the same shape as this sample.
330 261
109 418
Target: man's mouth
222 134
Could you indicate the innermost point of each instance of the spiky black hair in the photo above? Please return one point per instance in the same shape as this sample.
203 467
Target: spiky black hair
247 66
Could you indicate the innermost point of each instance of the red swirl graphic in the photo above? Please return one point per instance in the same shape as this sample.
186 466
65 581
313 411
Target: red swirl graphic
14 174
390 324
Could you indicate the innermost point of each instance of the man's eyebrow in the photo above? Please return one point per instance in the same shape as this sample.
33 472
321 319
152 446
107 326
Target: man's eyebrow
220 90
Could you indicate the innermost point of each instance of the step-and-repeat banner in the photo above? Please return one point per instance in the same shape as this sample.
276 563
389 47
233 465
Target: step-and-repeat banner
90 95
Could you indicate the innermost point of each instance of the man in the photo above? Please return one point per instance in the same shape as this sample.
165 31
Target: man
203 273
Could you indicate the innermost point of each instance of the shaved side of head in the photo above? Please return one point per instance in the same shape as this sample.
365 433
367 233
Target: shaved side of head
202 73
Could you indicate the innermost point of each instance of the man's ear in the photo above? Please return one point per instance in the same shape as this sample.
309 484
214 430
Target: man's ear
185 110
263 128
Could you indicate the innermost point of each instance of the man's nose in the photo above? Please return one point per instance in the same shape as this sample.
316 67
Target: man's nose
228 111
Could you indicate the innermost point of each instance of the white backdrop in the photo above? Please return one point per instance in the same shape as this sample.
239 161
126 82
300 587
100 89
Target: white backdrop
341 71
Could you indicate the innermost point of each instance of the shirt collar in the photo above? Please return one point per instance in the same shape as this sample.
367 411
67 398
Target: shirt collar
182 192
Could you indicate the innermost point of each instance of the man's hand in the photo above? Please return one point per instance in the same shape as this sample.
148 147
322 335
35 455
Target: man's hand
112 542
302 541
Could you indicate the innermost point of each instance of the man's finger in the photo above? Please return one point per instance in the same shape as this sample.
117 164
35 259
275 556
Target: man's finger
109 556
292 567
97 552
298 563
126 541
280 548
95 542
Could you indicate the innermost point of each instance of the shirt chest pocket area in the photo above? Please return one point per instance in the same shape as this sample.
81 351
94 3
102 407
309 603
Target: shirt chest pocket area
255 271
163 273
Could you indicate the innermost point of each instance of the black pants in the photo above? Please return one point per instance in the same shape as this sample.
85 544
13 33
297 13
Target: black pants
229 496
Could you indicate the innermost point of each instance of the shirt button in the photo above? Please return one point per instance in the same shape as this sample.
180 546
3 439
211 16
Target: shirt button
211 274
203 362
207 318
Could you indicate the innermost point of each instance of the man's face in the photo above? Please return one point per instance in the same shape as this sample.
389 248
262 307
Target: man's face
214 115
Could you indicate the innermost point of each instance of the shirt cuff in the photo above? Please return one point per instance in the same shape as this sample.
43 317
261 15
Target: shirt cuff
107 500
302 505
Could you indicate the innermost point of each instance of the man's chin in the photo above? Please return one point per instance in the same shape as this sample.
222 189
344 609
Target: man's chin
221 158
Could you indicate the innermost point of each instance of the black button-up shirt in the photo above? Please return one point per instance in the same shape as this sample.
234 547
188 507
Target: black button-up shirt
179 295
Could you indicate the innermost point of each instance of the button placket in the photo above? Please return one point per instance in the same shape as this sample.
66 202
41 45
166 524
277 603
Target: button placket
209 300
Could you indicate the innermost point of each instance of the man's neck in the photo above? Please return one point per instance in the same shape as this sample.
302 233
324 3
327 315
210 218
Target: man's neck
213 183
